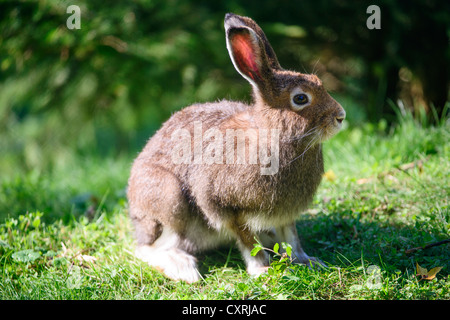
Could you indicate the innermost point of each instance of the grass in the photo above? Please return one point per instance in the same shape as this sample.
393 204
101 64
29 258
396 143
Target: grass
65 234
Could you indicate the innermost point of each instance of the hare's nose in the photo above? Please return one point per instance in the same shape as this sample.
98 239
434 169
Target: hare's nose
341 116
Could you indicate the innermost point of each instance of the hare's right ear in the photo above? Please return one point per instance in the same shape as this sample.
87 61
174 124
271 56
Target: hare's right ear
248 50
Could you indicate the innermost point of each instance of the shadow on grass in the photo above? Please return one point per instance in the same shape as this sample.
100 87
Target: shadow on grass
345 240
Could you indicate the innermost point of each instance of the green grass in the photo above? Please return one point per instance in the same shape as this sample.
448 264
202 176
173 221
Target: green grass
64 234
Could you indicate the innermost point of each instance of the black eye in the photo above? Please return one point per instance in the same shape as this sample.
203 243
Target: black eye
300 99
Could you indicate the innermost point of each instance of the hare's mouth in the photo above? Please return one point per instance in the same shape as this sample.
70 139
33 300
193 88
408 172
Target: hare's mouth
318 134
333 126
331 130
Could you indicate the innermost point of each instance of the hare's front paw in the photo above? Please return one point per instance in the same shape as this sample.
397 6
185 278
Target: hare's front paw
256 271
311 262
257 265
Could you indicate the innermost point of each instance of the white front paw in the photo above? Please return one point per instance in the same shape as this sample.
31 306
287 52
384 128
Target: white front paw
257 271
256 267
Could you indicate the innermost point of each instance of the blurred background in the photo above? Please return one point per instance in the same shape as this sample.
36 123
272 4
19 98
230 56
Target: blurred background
105 88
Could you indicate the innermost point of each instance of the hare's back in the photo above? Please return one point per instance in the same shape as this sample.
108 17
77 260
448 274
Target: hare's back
213 113
185 121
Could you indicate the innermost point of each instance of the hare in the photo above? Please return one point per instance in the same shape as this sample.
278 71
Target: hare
192 188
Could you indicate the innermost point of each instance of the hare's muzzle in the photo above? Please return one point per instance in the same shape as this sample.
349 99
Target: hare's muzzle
340 117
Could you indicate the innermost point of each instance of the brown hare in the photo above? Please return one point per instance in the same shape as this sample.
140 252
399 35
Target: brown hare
224 172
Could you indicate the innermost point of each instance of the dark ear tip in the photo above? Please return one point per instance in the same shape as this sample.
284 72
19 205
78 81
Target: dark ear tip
234 21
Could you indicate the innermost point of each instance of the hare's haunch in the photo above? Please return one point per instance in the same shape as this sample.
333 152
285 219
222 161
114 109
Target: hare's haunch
224 172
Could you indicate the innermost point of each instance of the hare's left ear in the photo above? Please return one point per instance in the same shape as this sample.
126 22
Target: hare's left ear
252 55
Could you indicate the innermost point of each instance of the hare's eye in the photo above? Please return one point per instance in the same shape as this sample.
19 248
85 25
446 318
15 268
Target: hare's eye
300 99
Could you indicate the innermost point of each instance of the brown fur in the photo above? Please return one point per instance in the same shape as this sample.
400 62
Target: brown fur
201 203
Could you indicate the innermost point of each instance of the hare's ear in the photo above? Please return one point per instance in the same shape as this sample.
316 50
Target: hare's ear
249 50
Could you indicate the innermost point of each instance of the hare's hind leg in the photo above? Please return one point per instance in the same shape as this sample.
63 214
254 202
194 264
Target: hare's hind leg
165 256
159 212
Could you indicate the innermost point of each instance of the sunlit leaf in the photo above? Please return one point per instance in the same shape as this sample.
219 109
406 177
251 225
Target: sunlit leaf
288 248
276 247
256 249
36 222
421 272
26 255
432 273
424 274
242 286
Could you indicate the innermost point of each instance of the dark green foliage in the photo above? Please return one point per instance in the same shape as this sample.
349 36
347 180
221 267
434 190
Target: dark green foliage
110 84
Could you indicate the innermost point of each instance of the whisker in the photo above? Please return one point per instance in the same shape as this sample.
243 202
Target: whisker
309 146
297 138
310 132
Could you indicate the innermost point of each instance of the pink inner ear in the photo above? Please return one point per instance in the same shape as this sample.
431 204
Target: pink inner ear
244 55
